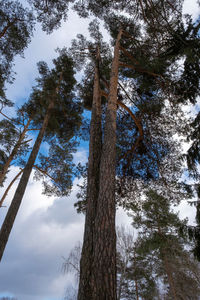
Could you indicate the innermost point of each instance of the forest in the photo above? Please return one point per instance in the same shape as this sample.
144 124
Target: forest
107 123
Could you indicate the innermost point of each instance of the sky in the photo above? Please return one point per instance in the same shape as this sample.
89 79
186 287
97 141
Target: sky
46 229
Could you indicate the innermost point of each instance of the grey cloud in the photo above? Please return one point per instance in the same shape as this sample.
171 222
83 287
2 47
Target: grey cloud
31 266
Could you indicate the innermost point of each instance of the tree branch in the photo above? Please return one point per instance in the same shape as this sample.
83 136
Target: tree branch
3 32
139 70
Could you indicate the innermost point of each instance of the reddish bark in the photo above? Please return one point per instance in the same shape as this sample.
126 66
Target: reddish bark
86 264
104 267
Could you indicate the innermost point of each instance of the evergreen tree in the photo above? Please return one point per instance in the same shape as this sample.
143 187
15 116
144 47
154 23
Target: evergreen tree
159 236
135 270
54 110
14 142
16 29
50 12
105 213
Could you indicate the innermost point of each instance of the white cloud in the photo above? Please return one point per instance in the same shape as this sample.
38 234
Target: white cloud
44 231
42 47
81 156
191 7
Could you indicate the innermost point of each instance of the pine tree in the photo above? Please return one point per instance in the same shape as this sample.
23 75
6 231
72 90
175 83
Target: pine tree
159 236
14 142
50 12
105 214
16 29
56 112
135 270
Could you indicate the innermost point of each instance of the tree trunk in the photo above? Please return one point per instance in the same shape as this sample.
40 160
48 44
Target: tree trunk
85 286
9 187
135 279
13 153
104 267
17 199
167 268
170 278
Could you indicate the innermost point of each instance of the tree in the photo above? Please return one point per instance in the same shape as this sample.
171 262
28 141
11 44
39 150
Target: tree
185 44
159 229
104 229
135 270
50 13
13 135
16 29
56 112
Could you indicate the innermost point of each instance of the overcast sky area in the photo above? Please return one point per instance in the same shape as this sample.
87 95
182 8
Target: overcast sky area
46 229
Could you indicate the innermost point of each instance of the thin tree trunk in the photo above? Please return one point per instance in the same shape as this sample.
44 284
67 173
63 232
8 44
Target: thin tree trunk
170 278
104 268
9 187
136 283
85 286
17 199
167 269
13 153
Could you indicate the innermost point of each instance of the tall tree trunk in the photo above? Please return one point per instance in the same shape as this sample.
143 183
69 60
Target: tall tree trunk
135 279
85 286
167 268
17 199
13 153
104 267
170 278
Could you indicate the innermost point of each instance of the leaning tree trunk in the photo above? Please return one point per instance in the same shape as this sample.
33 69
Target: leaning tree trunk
17 199
104 267
13 153
85 285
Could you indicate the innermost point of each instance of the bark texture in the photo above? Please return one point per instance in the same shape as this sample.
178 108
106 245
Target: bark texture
104 265
86 263
13 153
17 199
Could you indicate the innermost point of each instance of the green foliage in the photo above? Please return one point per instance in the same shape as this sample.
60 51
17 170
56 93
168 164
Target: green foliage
135 270
16 29
159 237
14 143
57 168
50 12
57 85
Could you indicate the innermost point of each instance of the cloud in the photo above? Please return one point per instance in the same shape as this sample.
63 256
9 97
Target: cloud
81 156
42 47
192 8
43 233
45 230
